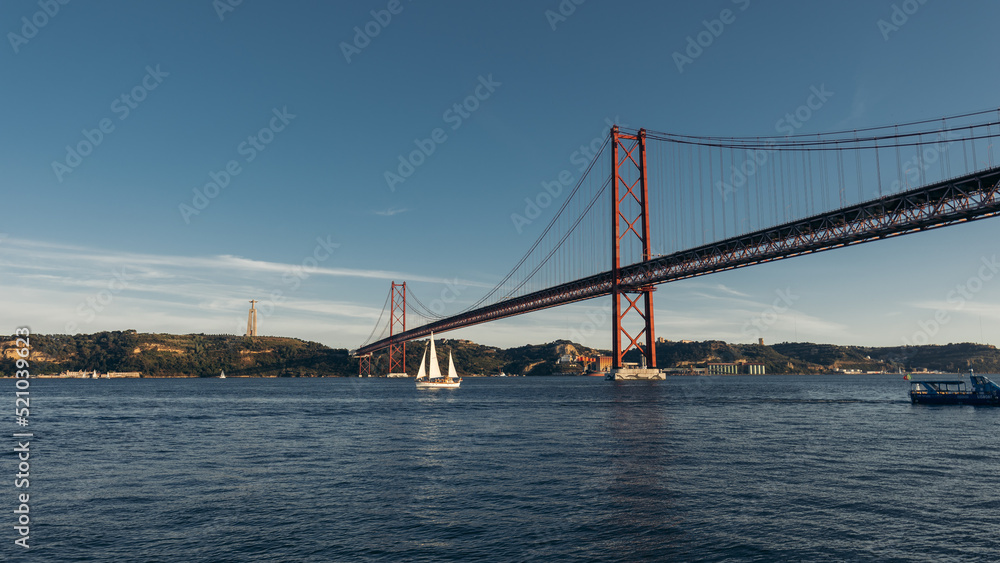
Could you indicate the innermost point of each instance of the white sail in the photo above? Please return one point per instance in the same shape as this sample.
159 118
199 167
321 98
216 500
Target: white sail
435 369
420 372
451 367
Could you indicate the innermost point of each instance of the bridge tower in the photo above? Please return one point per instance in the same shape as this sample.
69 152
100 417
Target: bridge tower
630 223
397 317
365 365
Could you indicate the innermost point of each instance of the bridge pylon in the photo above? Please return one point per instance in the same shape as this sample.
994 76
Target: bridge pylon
630 223
365 365
397 317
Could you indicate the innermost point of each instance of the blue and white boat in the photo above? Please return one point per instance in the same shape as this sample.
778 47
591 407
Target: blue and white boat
956 392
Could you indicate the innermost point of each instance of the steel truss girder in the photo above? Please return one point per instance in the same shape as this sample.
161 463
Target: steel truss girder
959 200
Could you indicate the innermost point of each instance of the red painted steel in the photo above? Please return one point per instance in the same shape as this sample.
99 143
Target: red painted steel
621 189
397 316
365 365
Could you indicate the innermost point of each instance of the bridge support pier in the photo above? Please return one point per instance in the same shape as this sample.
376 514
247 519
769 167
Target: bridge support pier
630 215
636 373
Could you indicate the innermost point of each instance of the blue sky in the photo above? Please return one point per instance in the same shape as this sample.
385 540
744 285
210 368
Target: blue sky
102 242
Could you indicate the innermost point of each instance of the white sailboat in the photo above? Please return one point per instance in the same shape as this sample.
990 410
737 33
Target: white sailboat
433 378
222 374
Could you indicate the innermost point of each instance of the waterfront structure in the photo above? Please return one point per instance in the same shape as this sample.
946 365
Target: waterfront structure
112 374
735 368
92 374
722 368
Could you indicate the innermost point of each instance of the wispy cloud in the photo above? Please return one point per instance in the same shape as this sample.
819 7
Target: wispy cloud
56 288
726 289
66 258
390 212
859 108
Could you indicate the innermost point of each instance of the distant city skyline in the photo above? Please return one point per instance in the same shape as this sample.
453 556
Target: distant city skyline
164 164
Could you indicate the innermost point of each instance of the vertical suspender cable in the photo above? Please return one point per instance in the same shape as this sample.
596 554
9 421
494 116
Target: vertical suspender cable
878 168
947 160
975 164
857 157
899 164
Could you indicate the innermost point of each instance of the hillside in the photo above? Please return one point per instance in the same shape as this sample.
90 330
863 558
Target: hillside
189 355
200 355
807 357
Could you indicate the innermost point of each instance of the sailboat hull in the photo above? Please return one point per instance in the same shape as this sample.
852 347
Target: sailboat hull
441 385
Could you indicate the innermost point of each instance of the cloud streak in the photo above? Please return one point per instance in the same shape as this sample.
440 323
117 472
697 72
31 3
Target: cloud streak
59 288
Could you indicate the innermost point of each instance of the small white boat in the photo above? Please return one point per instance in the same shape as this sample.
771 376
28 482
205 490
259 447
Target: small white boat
222 374
432 379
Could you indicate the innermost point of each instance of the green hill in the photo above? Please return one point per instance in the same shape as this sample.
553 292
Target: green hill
171 355
201 355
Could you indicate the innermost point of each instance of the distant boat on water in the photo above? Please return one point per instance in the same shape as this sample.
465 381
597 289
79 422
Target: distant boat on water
432 378
222 374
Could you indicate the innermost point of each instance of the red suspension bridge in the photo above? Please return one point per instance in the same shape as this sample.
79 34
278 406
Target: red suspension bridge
657 207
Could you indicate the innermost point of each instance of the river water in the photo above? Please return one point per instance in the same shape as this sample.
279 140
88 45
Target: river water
753 468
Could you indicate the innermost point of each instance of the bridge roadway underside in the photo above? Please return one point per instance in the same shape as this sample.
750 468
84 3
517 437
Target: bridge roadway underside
976 196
